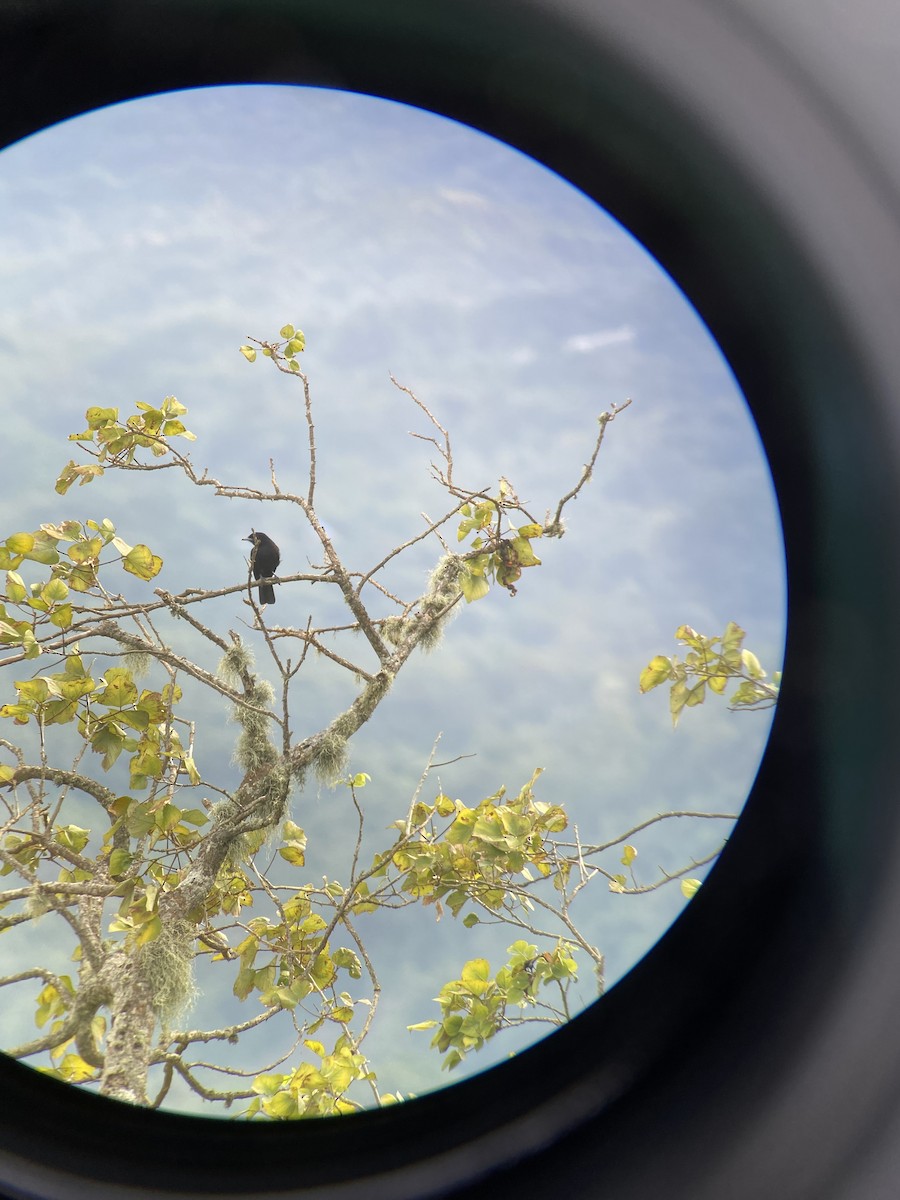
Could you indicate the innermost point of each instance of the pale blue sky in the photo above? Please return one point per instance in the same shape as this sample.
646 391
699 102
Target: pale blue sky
140 245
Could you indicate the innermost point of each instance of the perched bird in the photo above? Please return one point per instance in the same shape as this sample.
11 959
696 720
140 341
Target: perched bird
264 559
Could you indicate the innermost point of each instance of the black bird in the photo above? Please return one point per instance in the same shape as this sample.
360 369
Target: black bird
264 559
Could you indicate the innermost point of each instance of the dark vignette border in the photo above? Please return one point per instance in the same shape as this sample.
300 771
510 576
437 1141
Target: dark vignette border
721 1065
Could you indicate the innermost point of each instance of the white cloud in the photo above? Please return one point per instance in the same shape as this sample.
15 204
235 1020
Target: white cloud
585 343
463 196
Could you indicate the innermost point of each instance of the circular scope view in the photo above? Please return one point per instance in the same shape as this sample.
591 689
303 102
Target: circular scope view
393 602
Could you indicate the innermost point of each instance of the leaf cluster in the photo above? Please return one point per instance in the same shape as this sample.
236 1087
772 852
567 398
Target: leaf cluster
75 569
112 714
117 442
711 663
476 1006
475 856
494 555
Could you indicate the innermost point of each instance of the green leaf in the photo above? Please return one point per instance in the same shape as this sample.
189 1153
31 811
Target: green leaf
84 474
20 543
87 550
120 689
476 974
472 586
689 636
173 407
752 665
749 693
690 887
732 637
443 805
149 930
191 767
43 551
267 1085
657 672
461 829
140 820
421 1026
73 837
525 556
54 591
292 854
74 1069
249 353
120 861
97 418
243 985
347 960
142 562
677 701
284 1106
15 587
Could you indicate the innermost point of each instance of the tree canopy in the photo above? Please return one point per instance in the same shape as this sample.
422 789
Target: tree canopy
174 867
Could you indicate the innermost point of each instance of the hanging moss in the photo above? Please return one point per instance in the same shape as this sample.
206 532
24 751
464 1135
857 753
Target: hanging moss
236 662
443 588
167 963
395 630
331 755
137 662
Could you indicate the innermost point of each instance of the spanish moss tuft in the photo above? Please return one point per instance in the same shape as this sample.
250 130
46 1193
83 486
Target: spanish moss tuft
236 662
395 630
331 756
137 662
167 963
443 589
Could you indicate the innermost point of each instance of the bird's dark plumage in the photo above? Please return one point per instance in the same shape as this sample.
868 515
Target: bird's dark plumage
264 559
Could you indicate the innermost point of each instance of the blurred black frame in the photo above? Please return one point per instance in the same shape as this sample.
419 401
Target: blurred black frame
752 1050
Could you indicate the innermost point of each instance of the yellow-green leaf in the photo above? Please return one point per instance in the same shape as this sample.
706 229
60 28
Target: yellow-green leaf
472 586
656 672
690 887
292 854
15 587
120 861
20 543
150 930
54 591
443 805
141 561
74 1069
752 665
